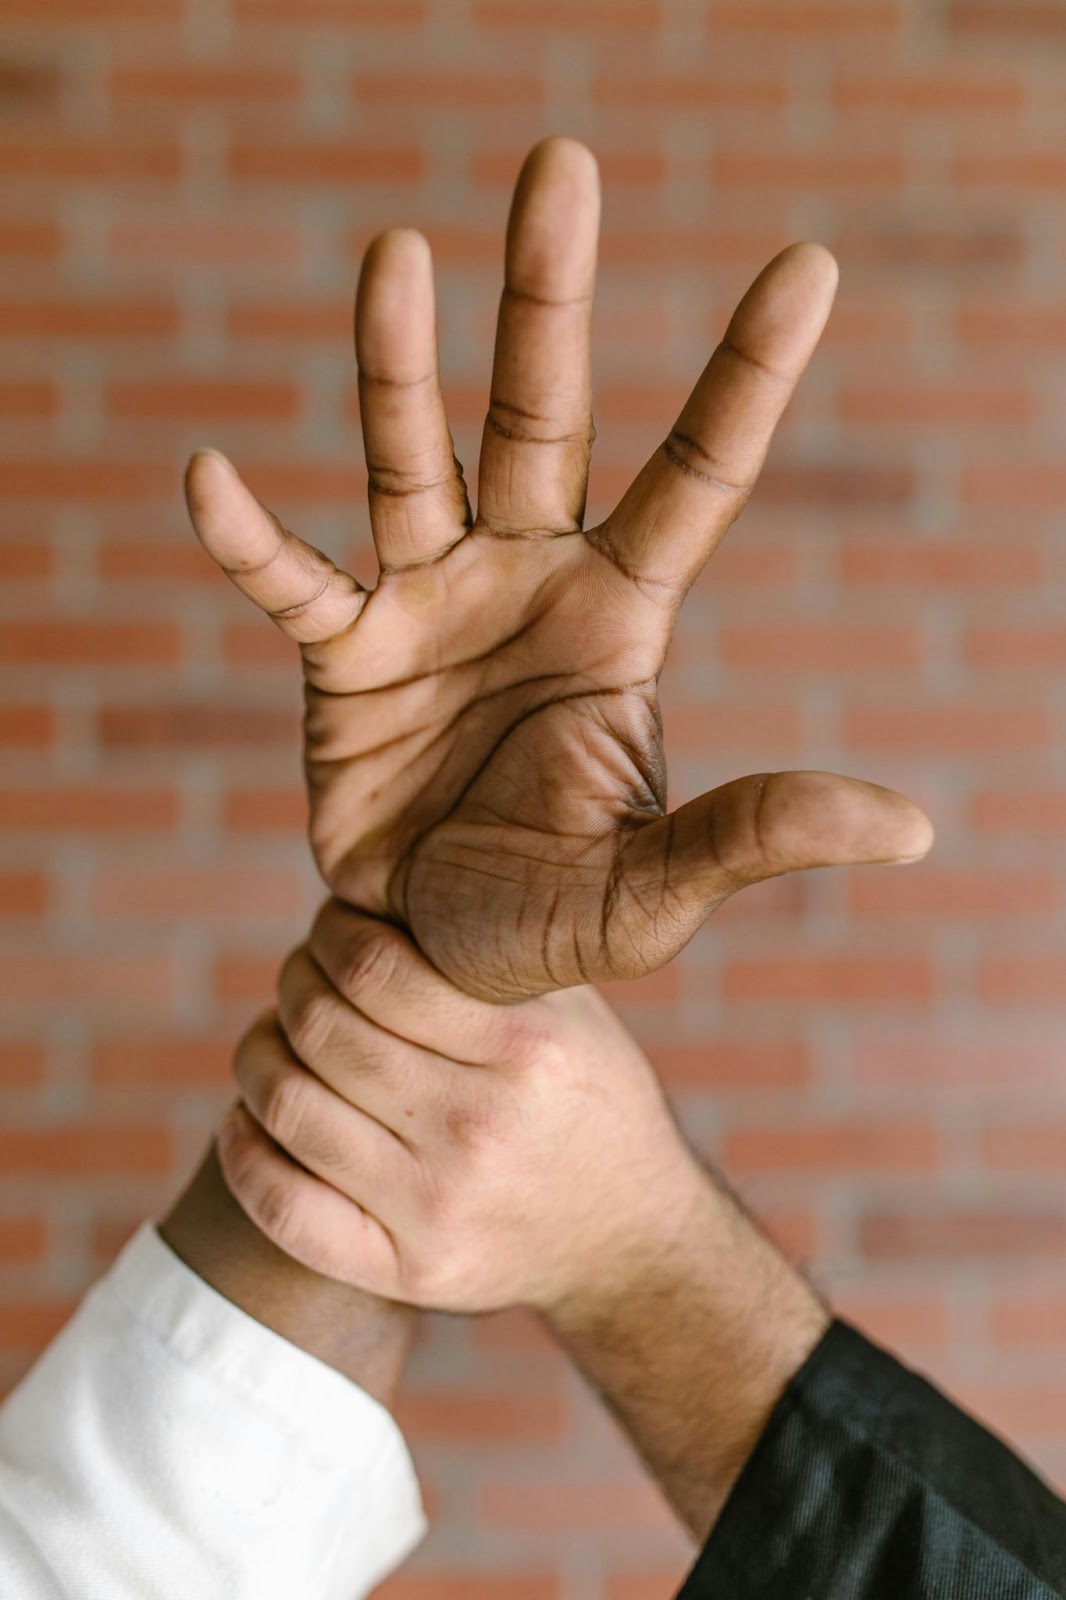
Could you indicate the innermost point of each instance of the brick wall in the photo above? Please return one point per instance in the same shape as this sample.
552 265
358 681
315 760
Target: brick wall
878 1057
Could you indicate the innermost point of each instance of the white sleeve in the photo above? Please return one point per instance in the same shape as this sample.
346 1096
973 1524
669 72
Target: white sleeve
167 1445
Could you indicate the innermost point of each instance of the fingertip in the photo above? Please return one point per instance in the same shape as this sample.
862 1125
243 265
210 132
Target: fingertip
919 838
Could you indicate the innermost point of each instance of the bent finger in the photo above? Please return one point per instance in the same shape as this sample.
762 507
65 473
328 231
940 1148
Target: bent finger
306 1218
297 586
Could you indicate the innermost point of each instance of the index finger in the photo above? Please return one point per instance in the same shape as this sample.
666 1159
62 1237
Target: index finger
381 972
681 505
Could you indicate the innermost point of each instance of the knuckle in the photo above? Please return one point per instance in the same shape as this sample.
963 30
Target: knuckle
277 1213
284 1107
369 964
310 1023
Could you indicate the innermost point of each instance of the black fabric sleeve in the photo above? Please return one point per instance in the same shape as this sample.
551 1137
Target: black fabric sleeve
869 1485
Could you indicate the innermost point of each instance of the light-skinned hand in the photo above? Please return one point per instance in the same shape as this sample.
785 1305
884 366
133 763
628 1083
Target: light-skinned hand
446 1152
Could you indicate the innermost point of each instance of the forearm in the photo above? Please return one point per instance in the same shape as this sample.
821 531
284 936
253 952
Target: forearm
364 1338
693 1346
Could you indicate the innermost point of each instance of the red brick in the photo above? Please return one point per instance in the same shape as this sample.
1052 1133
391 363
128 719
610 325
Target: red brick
255 644
770 1064
265 810
470 1585
644 1585
67 13
820 646
22 1063
683 246
79 1151
515 1333
1038 979
1036 170
186 83
580 1507
87 480
592 16
947 730
835 486
74 980
952 1238
95 808
1031 1147
453 91
843 1146
23 894
804 19
23 1240
948 564
151 1059
1040 20
942 94
193 242
40 241
322 482
47 159
944 893
435 1416
354 14
736 727
28 561
189 893
962 247
299 323
1030 1322
1028 325
203 727
1028 645
155 562
938 405
1032 1411
842 979
30 1325
1022 810
799 170
72 640
799 1234
30 87
1014 487
87 319
902 1324
961 1061
344 162
696 91
205 399
246 977
26 727
28 399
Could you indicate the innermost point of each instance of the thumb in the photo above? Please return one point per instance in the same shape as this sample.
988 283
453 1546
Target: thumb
763 826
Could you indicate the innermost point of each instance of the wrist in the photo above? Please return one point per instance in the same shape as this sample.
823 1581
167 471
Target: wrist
364 1338
693 1346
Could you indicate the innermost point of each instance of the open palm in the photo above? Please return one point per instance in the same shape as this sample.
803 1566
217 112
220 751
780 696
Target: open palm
483 743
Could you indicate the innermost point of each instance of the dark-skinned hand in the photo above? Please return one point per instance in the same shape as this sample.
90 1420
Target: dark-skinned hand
483 740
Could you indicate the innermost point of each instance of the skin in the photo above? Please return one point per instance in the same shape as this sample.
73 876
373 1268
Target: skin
483 743
425 1146
483 740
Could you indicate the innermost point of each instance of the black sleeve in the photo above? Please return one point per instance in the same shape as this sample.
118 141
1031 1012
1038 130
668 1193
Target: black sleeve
869 1485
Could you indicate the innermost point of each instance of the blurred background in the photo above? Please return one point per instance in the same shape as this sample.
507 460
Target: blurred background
876 1057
